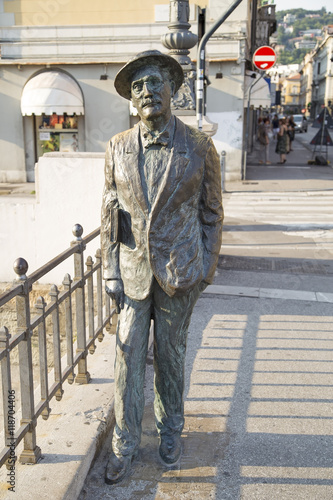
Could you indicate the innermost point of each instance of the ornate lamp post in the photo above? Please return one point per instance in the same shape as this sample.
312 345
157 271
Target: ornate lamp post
179 40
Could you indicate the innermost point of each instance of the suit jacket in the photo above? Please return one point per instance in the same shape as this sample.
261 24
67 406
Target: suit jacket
178 242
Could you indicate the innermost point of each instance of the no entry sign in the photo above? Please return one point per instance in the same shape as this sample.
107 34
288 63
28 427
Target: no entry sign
264 57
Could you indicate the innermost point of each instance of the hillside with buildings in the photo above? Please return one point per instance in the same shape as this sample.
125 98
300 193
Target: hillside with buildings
299 31
306 87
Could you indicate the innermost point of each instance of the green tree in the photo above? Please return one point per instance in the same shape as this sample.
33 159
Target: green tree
290 54
282 36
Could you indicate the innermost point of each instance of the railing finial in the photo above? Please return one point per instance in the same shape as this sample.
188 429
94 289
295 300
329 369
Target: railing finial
4 337
77 231
21 267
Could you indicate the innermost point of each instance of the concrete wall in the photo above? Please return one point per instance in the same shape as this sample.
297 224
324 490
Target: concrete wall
106 113
37 228
12 160
229 139
6 19
50 12
217 7
225 106
225 97
85 43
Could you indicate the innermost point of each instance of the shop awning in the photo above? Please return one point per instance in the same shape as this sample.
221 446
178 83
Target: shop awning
260 93
52 92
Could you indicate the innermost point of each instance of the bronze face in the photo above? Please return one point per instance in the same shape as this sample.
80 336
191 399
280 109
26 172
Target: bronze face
151 93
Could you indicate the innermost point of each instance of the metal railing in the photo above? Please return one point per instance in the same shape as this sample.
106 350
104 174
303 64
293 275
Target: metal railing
79 324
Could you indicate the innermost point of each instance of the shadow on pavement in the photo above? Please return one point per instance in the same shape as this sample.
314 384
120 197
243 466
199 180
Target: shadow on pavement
258 407
290 172
280 265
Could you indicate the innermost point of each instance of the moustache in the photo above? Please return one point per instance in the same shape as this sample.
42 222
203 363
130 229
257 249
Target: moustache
150 102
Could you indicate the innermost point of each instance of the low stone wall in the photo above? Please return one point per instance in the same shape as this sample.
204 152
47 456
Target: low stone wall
68 191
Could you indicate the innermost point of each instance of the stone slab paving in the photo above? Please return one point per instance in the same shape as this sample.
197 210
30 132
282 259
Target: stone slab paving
258 407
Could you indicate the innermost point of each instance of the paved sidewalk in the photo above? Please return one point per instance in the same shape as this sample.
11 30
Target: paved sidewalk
258 407
295 175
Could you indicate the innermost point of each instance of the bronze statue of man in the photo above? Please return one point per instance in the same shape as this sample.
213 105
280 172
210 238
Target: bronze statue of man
161 235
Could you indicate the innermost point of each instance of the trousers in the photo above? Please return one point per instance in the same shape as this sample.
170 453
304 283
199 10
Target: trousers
171 322
264 152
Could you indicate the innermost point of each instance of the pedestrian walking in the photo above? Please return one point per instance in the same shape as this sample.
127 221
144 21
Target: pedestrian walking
281 144
268 130
287 136
275 124
263 140
291 131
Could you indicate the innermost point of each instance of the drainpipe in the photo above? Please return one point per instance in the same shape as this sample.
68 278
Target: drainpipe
201 61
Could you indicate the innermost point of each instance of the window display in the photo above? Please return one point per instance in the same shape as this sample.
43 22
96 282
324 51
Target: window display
57 133
69 143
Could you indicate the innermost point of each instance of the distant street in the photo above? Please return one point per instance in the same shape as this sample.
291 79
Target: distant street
302 150
282 211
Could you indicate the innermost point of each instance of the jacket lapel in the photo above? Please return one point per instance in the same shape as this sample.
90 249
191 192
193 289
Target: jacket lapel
177 164
130 167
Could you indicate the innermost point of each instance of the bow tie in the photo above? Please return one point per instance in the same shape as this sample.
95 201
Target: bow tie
162 139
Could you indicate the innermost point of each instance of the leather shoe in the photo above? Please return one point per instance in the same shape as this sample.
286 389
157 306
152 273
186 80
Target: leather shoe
170 448
117 468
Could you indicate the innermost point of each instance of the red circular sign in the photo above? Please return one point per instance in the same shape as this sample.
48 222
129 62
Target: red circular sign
264 57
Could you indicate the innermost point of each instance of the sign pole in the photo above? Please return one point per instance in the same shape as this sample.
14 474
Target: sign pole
248 126
263 59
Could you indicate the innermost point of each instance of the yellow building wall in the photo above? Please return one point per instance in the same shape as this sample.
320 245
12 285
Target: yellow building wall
289 95
77 12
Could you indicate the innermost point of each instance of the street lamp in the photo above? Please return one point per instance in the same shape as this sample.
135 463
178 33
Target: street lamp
179 40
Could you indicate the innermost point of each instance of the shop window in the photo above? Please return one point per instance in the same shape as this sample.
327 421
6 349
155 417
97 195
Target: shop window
57 133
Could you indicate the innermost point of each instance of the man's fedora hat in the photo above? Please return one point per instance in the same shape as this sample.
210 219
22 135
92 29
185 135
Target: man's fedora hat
124 77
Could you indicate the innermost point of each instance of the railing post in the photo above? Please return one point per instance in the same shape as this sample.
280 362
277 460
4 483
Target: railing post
90 300
99 294
44 386
54 294
31 452
83 375
9 420
69 326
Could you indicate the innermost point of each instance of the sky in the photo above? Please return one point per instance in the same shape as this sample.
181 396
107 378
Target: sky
304 4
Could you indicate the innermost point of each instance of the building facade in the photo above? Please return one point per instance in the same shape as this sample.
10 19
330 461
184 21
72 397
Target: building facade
317 77
306 72
322 84
59 59
290 95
